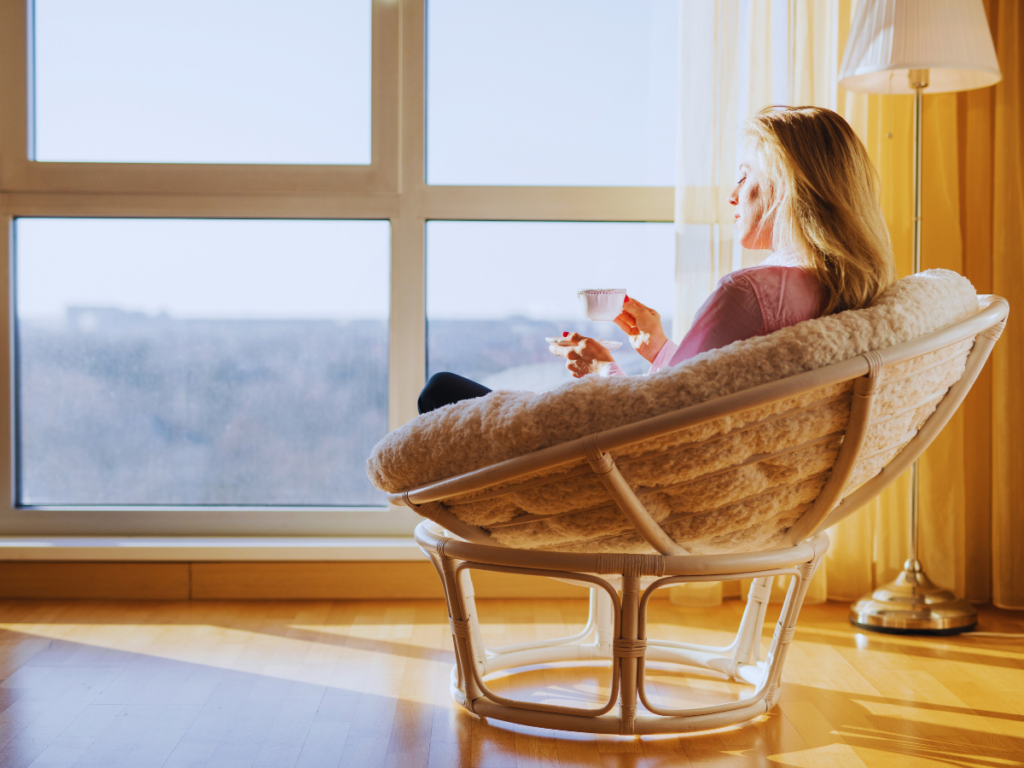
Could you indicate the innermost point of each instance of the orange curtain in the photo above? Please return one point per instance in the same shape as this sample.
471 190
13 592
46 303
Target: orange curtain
992 159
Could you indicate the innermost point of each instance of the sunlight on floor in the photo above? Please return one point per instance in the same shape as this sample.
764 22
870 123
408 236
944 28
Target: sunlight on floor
849 698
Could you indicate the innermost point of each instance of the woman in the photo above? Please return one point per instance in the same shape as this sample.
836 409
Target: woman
808 193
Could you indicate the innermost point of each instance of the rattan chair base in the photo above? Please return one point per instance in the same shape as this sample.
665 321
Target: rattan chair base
621 587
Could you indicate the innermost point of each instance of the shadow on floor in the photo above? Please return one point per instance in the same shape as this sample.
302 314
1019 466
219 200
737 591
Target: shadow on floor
70 703
840 633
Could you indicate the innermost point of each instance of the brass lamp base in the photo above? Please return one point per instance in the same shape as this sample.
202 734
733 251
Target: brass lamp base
912 605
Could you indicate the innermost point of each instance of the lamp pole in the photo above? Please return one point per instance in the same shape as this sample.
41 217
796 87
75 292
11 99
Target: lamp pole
918 81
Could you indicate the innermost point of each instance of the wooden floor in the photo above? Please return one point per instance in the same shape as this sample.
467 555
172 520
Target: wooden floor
366 684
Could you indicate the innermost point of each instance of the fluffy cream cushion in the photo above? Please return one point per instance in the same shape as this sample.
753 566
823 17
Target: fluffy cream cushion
711 497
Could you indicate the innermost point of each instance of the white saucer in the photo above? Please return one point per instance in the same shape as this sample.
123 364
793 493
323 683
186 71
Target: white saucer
608 344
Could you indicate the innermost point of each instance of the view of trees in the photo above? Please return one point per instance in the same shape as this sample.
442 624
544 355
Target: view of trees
126 408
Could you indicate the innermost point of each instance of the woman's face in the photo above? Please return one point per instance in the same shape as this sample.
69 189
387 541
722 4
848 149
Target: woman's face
750 199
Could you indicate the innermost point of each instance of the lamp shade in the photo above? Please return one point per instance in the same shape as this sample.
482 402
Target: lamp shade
888 38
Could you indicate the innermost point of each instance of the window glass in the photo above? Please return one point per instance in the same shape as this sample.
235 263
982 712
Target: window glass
574 92
202 81
218 362
495 290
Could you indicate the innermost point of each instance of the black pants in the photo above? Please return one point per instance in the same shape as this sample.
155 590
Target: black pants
447 388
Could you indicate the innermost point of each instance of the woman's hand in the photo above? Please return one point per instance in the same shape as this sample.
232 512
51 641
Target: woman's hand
643 326
585 357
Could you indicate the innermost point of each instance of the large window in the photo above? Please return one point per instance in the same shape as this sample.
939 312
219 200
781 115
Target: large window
241 235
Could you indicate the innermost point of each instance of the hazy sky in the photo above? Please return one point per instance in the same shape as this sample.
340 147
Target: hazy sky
203 81
204 268
492 269
552 92
573 92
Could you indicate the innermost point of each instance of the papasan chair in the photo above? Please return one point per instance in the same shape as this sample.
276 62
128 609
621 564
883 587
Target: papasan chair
731 465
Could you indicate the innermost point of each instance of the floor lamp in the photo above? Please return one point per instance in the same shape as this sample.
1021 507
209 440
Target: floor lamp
903 47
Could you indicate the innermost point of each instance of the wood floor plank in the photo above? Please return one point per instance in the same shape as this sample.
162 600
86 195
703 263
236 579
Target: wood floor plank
410 735
156 743
74 740
113 744
335 683
776 736
287 734
208 730
819 734
53 720
248 730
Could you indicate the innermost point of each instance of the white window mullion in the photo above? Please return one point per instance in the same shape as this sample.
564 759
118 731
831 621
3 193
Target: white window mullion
7 387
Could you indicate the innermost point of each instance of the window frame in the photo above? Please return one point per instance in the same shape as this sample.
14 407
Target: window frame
392 187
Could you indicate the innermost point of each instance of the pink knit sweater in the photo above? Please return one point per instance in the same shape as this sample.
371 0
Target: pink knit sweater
748 302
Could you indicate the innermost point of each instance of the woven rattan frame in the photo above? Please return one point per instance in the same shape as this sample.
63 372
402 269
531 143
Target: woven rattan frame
622 584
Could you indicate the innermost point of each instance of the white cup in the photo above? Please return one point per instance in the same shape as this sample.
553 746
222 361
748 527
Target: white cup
602 303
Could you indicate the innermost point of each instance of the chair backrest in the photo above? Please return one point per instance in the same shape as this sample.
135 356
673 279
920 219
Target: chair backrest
759 469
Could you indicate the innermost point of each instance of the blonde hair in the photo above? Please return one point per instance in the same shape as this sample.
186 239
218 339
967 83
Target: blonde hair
824 196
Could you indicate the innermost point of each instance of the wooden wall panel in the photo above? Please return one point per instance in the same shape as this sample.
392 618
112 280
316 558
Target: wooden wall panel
315 581
257 581
353 581
94 581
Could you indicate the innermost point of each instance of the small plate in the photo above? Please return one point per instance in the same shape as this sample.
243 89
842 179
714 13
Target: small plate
608 344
